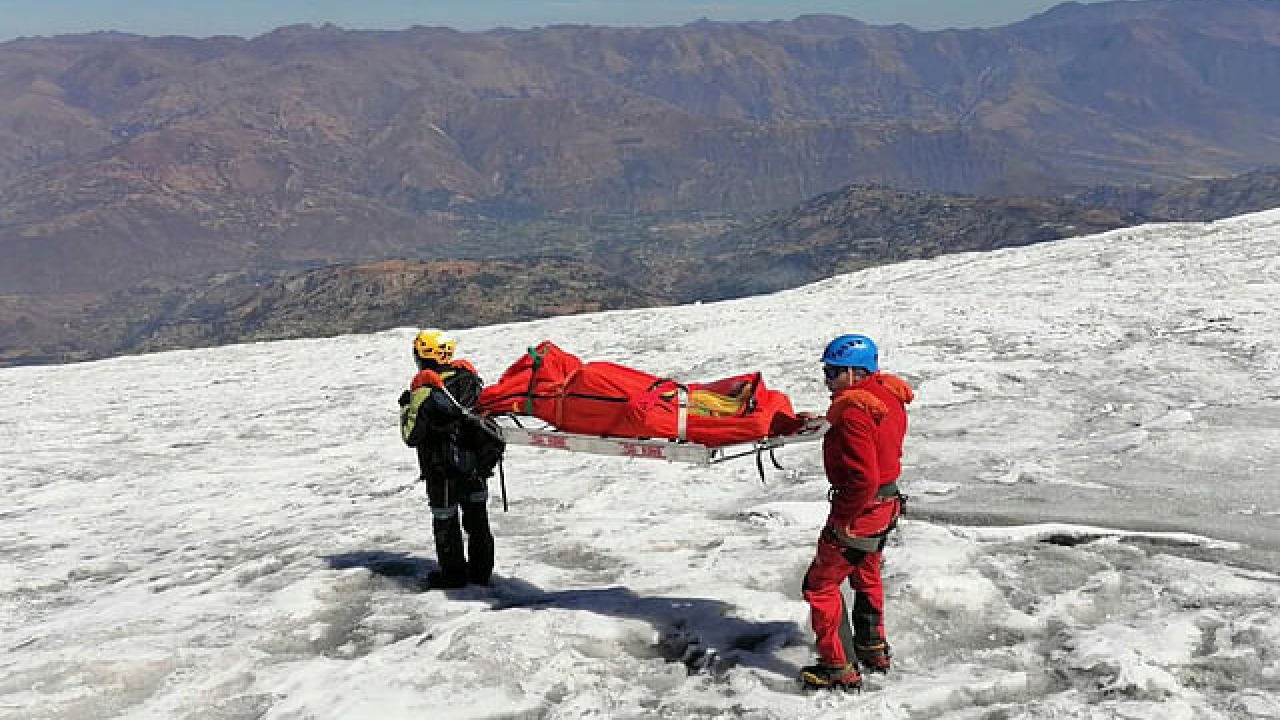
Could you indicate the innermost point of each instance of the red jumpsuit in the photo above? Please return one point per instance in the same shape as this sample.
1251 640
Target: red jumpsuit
860 453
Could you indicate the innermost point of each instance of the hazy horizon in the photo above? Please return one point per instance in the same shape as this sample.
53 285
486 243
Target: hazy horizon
246 19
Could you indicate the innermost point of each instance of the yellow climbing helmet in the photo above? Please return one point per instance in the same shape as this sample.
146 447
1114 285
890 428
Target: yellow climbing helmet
434 345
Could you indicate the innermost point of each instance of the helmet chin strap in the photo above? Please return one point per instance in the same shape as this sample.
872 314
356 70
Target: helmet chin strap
427 363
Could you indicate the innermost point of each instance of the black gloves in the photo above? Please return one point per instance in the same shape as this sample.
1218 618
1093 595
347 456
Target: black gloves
404 398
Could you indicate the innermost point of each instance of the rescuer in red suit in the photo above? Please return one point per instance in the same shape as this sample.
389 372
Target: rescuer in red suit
861 454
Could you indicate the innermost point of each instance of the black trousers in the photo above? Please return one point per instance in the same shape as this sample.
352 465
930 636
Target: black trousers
458 504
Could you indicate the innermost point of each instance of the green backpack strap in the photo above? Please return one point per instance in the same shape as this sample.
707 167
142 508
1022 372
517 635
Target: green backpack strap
533 374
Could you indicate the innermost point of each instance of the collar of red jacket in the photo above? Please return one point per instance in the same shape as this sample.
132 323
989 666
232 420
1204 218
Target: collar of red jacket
857 396
897 386
428 378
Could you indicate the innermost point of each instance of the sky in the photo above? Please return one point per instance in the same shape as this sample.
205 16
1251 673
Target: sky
1093 533
249 17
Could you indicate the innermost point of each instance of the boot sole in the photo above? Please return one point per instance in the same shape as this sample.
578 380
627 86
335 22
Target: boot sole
813 682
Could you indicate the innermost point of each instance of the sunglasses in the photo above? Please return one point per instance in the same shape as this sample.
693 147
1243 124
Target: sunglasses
832 372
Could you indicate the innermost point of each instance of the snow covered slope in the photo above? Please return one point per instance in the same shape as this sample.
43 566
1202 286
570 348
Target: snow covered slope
236 532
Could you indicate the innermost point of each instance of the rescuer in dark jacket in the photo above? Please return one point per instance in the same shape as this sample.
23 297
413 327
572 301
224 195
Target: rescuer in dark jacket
435 418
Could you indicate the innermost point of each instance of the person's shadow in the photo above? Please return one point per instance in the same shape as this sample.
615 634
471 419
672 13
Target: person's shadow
402 568
698 632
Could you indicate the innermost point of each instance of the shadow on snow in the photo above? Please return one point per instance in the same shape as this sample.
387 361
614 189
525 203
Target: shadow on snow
698 632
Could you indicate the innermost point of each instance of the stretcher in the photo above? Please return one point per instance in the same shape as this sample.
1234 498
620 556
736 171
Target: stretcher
531 432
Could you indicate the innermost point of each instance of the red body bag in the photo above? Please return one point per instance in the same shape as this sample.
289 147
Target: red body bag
602 398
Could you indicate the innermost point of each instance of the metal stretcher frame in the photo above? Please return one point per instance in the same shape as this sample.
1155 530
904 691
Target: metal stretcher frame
547 437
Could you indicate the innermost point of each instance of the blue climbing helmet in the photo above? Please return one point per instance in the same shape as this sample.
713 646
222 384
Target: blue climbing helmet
852 351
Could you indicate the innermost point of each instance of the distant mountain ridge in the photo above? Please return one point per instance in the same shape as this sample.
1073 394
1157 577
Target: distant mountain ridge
1204 201
125 159
606 266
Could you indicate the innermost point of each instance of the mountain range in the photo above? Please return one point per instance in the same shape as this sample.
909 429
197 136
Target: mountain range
149 182
590 269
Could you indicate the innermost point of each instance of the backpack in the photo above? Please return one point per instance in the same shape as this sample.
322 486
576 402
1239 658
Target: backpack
478 446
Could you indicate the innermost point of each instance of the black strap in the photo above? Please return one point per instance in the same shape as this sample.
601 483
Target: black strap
502 483
888 490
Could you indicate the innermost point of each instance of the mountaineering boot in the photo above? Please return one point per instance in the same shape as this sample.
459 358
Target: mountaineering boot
479 574
834 677
437 579
873 658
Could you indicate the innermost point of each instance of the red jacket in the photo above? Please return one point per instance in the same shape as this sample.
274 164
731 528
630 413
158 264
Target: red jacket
863 450
896 394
